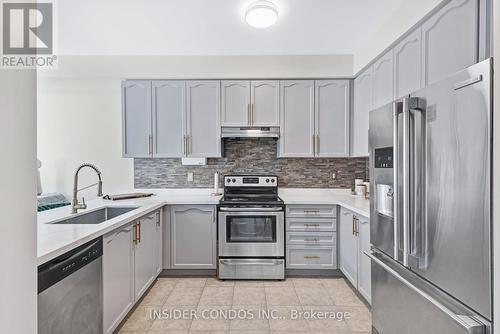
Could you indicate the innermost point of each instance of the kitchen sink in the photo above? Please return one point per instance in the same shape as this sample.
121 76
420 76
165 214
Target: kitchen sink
97 216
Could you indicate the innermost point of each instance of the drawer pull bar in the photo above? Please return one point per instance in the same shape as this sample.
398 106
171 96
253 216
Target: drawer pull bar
312 239
311 225
311 210
311 257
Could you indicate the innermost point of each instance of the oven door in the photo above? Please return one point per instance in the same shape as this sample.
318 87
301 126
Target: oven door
251 234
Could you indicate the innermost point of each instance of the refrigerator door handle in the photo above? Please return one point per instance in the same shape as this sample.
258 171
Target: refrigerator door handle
396 107
406 180
469 324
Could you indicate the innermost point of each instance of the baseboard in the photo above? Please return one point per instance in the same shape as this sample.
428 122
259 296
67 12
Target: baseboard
314 273
188 272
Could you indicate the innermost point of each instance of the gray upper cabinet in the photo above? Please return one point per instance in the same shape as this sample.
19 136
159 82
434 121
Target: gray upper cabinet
235 99
450 40
332 118
297 118
382 80
136 119
265 103
203 119
169 109
362 106
408 64
250 103
193 236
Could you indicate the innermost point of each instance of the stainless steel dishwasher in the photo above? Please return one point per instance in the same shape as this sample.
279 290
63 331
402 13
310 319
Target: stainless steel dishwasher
70 292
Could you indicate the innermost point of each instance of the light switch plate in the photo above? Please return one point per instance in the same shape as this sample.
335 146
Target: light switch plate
190 177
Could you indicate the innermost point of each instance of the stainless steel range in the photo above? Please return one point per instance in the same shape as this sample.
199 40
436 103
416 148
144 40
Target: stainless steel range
251 229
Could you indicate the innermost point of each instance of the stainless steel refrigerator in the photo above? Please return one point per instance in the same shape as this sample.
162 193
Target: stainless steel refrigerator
430 210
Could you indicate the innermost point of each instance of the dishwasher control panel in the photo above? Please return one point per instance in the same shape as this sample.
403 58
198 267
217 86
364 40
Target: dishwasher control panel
62 266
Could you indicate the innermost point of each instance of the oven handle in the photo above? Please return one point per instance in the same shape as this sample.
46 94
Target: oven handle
236 262
271 209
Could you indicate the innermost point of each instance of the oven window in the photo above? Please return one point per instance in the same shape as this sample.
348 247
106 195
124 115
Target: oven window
254 229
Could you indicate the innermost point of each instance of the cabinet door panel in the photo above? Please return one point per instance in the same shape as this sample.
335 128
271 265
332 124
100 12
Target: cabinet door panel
383 76
362 107
265 101
450 40
118 277
349 249
297 118
169 109
235 108
136 118
364 262
144 255
203 118
332 118
408 64
193 237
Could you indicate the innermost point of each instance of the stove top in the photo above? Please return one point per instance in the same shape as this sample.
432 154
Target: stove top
251 190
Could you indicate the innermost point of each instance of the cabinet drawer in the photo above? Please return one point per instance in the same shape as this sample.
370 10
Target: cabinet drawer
311 224
311 211
306 257
311 238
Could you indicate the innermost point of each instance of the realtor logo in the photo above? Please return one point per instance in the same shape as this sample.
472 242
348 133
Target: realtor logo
28 34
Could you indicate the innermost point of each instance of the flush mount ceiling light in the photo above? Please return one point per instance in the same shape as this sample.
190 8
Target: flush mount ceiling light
261 14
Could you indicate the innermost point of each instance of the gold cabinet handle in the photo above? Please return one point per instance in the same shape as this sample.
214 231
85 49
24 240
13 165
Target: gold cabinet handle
353 228
139 233
248 115
311 239
311 225
311 257
252 114
357 226
311 210
317 144
158 218
150 144
135 234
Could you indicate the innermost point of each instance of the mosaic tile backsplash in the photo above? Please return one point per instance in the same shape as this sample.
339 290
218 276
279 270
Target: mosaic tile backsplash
251 156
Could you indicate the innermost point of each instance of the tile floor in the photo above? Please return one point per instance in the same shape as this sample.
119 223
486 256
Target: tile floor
209 306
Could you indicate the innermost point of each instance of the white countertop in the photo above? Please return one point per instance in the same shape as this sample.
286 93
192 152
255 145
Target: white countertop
56 239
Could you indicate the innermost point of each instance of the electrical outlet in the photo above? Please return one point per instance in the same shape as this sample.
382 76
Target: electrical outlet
190 177
334 176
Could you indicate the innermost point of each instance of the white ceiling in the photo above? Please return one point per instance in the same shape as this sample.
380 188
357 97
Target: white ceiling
216 27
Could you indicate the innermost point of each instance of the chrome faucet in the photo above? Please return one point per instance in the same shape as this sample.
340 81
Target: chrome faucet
75 205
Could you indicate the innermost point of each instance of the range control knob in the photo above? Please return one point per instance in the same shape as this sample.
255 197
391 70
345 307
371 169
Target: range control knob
267 180
234 180
228 180
272 180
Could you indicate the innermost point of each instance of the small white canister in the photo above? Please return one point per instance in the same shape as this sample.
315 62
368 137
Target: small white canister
361 190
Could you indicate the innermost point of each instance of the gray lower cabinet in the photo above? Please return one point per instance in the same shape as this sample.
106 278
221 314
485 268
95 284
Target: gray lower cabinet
354 240
130 265
311 238
193 236
136 119
118 276
203 119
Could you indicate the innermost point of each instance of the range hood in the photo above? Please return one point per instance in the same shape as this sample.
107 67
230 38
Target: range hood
250 132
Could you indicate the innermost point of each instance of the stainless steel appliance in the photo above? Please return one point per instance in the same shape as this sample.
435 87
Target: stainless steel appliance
430 214
251 229
70 292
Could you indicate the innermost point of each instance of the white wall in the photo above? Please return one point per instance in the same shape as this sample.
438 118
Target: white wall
398 23
79 106
18 277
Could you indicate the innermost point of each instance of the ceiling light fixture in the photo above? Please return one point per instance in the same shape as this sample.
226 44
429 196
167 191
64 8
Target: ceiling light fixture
261 14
